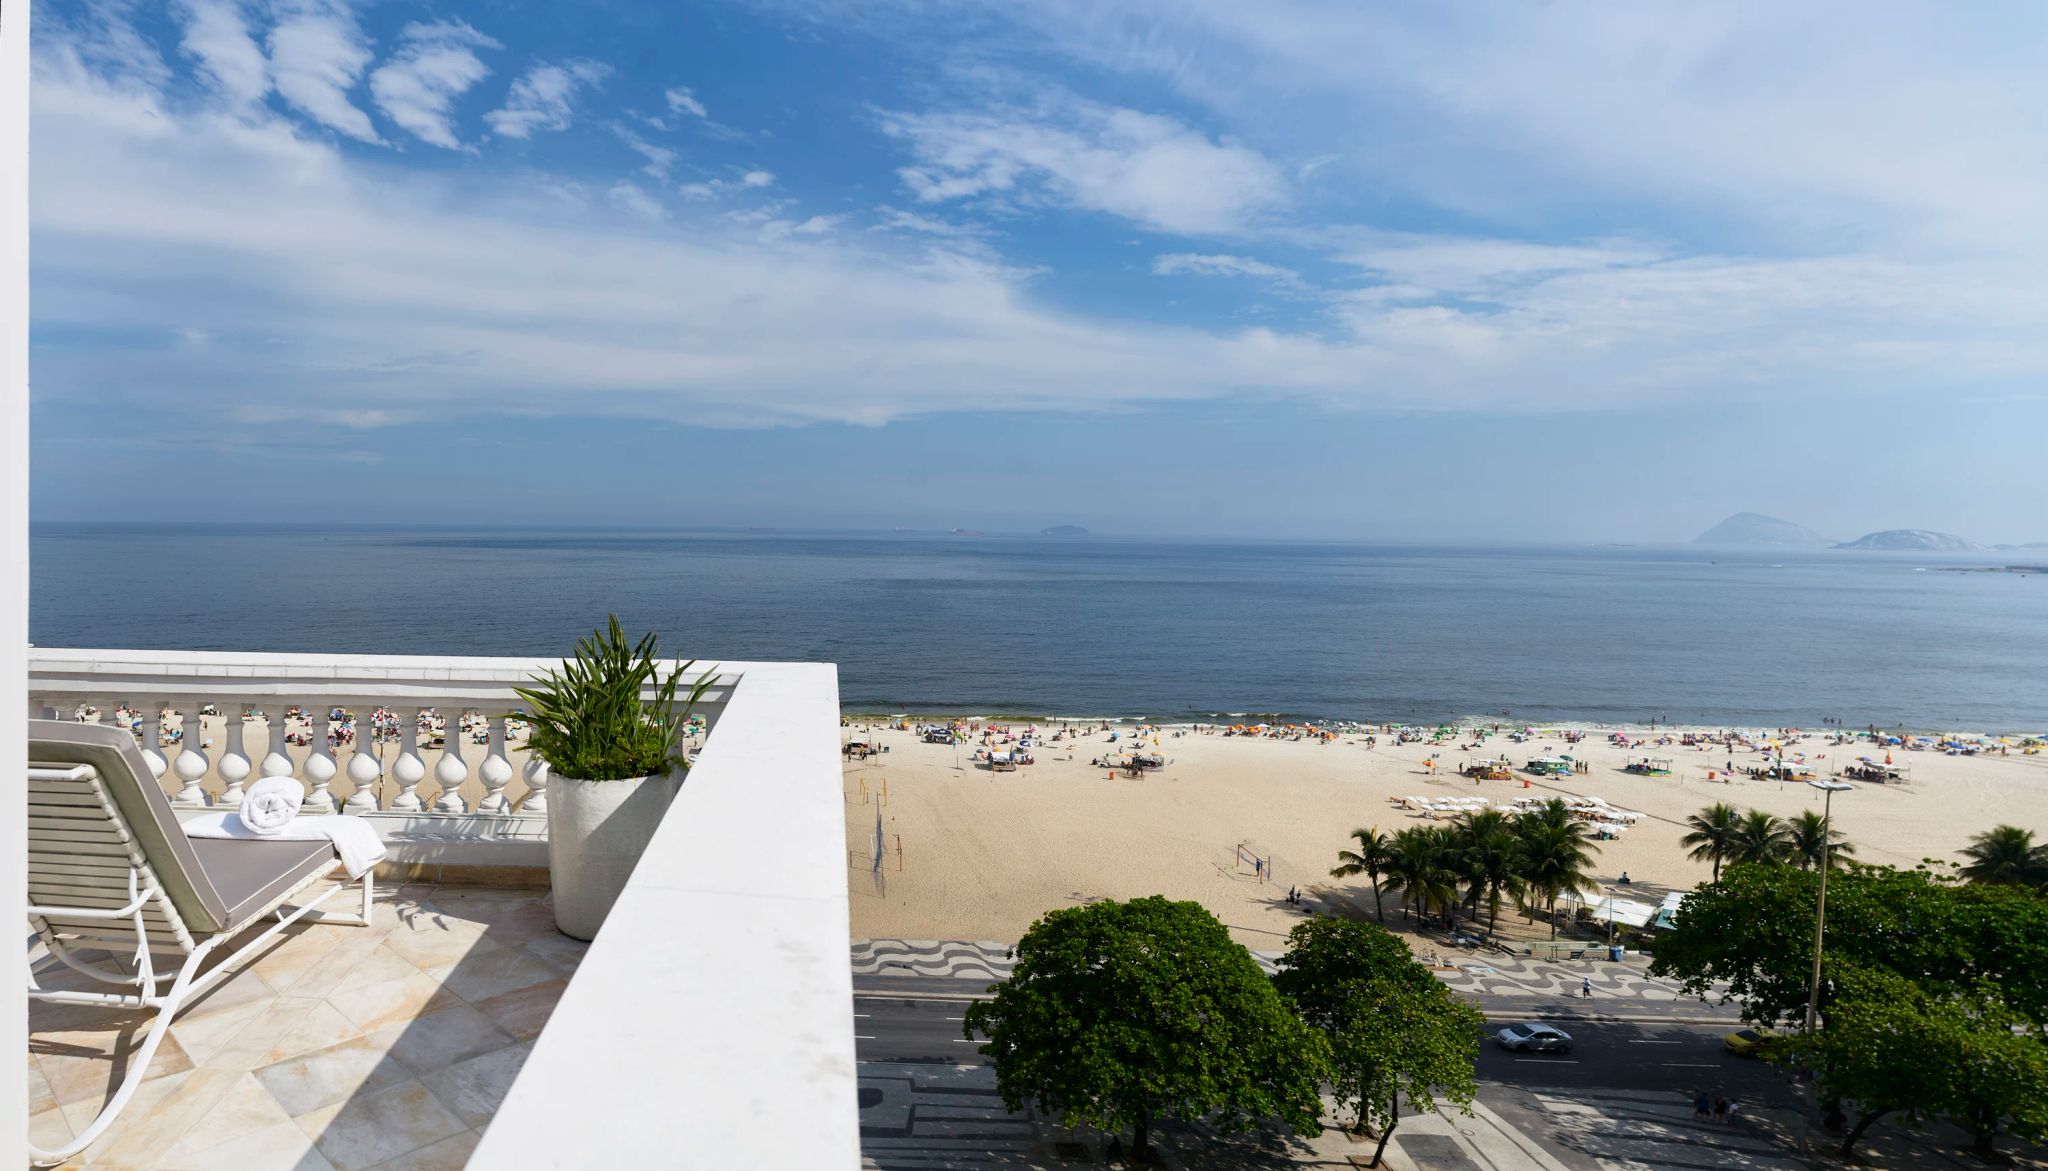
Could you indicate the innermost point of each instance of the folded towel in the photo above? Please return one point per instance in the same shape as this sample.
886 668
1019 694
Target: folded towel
270 804
354 840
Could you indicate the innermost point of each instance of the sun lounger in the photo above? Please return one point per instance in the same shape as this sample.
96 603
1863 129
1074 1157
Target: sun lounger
118 893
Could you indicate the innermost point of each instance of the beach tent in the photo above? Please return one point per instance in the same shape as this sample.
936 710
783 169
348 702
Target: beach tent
1625 912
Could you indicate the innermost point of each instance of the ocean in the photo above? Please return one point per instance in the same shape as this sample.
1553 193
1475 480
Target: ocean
1173 630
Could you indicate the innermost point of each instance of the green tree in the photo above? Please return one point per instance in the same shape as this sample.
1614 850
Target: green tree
1808 837
1491 858
1419 864
1710 834
2006 854
1759 837
1120 1014
1892 1045
1369 859
1392 1028
1557 859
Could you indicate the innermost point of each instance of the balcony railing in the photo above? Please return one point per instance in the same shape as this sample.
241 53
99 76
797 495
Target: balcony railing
713 1008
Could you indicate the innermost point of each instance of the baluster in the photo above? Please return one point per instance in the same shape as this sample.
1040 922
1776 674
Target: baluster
409 770
191 764
153 740
364 768
320 766
496 771
536 775
50 712
277 760
450 771
235 765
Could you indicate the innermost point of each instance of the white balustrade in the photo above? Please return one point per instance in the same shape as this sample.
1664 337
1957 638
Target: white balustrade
235 766
192 764
277 760
451 770
364 769
409 770
496 771
153 741
536 775
320 766
166 686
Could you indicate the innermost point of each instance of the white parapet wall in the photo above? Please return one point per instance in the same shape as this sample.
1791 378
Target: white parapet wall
711 1022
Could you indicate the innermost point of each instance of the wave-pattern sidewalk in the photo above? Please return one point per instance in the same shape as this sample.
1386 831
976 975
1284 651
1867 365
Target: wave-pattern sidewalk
982 959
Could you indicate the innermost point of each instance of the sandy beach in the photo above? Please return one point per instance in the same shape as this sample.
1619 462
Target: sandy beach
983 853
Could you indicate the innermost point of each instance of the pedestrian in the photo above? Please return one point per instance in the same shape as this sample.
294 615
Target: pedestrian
1699 1104
1586 987
1720 1108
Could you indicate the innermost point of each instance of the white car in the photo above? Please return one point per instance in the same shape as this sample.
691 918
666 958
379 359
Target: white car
1534 1039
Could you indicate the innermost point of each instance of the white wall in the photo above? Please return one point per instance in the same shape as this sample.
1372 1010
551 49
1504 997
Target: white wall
14 26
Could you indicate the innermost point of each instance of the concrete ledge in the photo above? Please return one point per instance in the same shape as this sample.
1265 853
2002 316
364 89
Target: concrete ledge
710 1025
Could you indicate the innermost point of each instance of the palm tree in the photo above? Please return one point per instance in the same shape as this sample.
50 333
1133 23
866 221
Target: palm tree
1492 859
1419 863
1369 859
1712 834
1760 837
1556 860
2006 853
1808 838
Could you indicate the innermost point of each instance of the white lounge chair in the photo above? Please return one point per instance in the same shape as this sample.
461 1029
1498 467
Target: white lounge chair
119 893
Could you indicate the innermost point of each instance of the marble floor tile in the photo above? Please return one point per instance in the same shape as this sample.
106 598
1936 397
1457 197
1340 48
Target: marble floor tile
319 1027
282 1147
375 1128
441 1039
524 1012
328 1076
450 1154
438 944
243 1108
475 1088
481 976
374 1006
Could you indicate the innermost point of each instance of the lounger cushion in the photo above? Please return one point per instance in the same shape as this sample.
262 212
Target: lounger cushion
136 792
251 876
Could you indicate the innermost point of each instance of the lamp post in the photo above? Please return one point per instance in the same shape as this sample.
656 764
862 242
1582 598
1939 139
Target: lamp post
1820 906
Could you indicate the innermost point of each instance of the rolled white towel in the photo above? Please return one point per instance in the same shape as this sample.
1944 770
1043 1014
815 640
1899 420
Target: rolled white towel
270 805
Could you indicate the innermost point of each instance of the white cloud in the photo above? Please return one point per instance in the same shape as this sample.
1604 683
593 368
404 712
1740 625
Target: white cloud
218 37
717 188
1196 264
659 158
629 196
541 99
436 65
318 54
1065 150
682 101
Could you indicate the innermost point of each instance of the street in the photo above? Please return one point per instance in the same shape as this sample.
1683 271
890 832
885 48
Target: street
1622 1092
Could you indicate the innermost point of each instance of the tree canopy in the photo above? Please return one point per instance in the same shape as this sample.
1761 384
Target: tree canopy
1393 1029
1118 1014
1934 997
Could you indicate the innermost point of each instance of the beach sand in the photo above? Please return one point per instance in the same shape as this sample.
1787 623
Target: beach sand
984 853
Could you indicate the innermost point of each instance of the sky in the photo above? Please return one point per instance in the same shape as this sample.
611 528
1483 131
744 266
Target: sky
1332 269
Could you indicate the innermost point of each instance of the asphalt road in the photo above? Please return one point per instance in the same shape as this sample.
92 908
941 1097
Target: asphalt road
1641 1045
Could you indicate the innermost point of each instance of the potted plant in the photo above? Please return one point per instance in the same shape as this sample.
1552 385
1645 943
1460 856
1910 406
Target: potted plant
614 763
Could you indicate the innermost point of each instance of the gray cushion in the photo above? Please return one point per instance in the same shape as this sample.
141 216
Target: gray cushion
251 876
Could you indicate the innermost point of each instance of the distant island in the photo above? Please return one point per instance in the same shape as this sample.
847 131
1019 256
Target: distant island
1753 528
1914 541
1063 531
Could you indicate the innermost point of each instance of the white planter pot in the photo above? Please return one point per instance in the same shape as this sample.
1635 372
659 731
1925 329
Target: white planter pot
597 831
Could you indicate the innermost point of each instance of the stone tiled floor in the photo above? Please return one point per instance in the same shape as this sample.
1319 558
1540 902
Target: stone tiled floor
385 1047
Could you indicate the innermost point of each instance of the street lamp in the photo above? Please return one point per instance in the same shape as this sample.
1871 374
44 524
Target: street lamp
1820 906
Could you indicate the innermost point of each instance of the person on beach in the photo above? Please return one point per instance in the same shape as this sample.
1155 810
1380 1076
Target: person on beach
1699 1104
1586 987
1721 1108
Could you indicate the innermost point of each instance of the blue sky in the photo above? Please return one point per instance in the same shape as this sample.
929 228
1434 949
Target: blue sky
1339 269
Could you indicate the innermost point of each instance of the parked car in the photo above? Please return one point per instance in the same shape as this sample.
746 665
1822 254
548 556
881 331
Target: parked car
1533 1038
1749 1042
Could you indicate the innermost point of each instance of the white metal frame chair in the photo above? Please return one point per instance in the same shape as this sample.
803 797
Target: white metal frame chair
120 895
